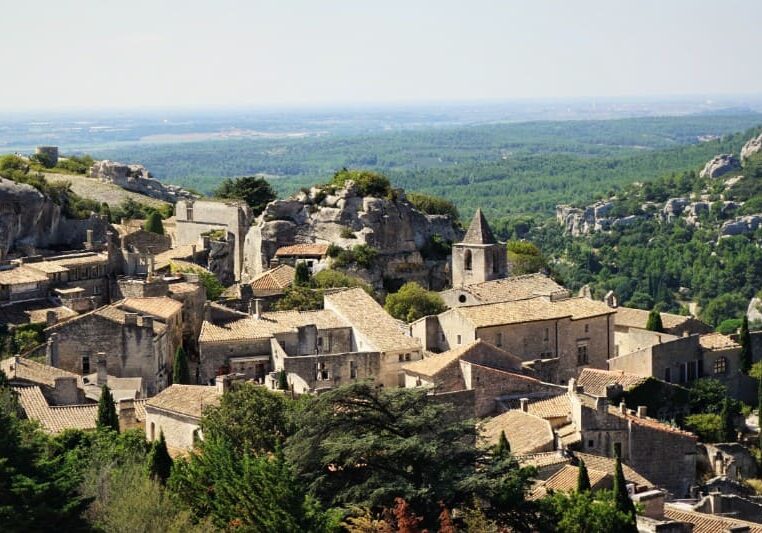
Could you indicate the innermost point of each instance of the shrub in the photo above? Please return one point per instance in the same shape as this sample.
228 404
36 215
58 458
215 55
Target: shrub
433 205
368 183
708 426
153 224
412 302
525 257
729 326
213 286
329 278
347 233
253 190
436 248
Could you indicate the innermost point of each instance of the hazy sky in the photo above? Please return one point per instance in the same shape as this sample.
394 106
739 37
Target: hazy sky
109 53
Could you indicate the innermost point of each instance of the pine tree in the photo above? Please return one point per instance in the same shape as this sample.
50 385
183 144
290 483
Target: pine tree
154 223
283 380
728 429
159 462
744 340
621 498
654 321
583 479
302 274
107 417
503 447
180 372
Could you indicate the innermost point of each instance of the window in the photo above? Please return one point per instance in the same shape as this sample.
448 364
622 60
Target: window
96 289
587 328
400 357
86 364
720 365
590 444
467 260
495 261
322 373
668 375
189 213
352 370
499 339
547 334
683 372
407 357
462 298
320 342
458 339
582 354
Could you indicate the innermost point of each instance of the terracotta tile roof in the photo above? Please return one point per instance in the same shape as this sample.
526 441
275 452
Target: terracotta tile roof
530 310
514 288
432 365
269 324
302 250
108 312
120 387
48 267
539 460
595 380
34 312
163 259
369 318
526 433
554 407
161 307
479 231
568 435
35 372
21 275
55 419
80 260
717 341
651 423
189 400
140 409
707 523
608 465
273 281
184 287
638 318
565 480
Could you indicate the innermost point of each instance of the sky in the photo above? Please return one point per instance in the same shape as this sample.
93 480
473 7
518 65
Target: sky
78 54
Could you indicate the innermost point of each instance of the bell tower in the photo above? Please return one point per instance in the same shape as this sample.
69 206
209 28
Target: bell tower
479 257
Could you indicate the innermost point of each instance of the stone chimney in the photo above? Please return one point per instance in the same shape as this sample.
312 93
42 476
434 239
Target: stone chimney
622 407
89 240
16 363
130 319
50 318
51 352
572 387
150 265
610 299
65 390
255 308
524 403
652 502
148 322
600 404
642 410
102 369
126 413
226 381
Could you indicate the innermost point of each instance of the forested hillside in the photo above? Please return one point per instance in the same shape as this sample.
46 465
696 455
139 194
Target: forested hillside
504 168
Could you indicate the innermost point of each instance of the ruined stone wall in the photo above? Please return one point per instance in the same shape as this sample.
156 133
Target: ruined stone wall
665 458
366 365
214 356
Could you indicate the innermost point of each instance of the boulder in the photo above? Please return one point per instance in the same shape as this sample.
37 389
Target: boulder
741 226
674 207
720 165
751 147
136 178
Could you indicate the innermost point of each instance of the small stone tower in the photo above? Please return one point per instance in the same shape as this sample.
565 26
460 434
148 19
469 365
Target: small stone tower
479 257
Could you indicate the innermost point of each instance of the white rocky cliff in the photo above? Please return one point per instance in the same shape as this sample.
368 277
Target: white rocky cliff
136 178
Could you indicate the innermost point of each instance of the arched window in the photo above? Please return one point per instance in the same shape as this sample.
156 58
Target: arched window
720 365
496 261
153 432
468 260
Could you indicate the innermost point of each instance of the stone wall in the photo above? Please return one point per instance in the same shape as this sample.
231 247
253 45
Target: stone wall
179 430
331 370
488 262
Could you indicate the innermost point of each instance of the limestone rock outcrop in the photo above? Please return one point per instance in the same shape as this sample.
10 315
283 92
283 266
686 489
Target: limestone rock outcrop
136 178
720 165
741 225
585 221
751 147
394 227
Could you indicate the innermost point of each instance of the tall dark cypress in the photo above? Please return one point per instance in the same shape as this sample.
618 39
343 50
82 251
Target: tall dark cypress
621 498
583 479
744 339
107 417
728 429
180 372
159 462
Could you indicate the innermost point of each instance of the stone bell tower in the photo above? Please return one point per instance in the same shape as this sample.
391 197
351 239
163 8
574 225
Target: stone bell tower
479 257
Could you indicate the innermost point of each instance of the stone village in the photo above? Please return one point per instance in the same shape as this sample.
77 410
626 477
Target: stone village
551 370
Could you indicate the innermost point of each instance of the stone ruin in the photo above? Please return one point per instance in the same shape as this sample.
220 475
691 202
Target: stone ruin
137 179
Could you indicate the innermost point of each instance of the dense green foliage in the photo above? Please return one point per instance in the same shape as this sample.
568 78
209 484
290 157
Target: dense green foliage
368 183
154 224
433 205
654 322
302 274
107 417
159 462
622 501
253 190
180 370
524 258
329 278
585 512
213 286
583 479
412 302
362 255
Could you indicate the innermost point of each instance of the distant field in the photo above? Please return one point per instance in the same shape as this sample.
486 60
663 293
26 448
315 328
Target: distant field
505 168
102 192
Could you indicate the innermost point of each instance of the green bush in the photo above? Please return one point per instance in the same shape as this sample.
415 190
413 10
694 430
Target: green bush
433 205
525 258
729 326
412 302
347 233
213 286
329 278
363 255
368 183
436 248
708 426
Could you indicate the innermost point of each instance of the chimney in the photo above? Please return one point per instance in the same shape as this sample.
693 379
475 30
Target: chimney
642 410
66 391
524 402
130 319
193 251
715 502
16 362
207 312
148 322
257 308
623 407
600 404
652 502
572 386
150 263
50 318
51 352
610 299
613 390
89 239
126 412
226 381
102 378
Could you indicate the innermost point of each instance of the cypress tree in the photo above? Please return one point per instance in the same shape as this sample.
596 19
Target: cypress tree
283 380
503 446
622 500
728 429
744 340
180 372
302 274
159 462
107 417
154 223
583 479
654 321
759 410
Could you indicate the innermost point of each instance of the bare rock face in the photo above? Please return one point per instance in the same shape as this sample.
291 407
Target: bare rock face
741 225
136 178
720 165
392 226
585 221
751 147
220 261
27 217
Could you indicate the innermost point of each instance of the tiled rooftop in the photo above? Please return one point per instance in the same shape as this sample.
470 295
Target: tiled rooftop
34 372
269 324
163 259
717 341
301 250
369 318
638 318
432 365
108 312
80 260
479 231
595 380
21 275
539 460
33 312
161 307
608 465
707 523
531 310
48 267
514 288
187 400
184 287
55 419
273 281
526 433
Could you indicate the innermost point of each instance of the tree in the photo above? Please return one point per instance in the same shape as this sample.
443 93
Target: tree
654 321
412 302
707 395
744 339
622 501
302 275
503 447
159 462
180 371
255 191
524 258
283 380
301 299
214 288
583 479
583 512
727 415
154 223
107 417
367 182
707 426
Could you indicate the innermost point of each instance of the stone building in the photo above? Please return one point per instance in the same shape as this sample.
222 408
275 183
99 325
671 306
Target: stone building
503 290
574 333
352 338
315 256
630 333
479 257
196 217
